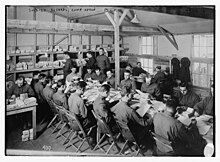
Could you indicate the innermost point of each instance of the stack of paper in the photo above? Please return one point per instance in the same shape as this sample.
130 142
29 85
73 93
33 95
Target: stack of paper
30 101
185 120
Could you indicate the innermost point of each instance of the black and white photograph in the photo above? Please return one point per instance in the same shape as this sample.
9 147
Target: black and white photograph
109 80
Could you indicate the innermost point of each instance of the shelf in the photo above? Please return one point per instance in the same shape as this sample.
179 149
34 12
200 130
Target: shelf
28 70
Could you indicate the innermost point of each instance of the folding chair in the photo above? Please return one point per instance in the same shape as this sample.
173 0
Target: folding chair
132 140
63 121
161 145
107 134
56 115
83 132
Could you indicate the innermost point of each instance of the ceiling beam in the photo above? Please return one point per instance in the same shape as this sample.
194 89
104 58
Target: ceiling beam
74 27
190 11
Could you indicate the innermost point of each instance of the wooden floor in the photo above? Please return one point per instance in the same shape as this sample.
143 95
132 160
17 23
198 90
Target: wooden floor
46 141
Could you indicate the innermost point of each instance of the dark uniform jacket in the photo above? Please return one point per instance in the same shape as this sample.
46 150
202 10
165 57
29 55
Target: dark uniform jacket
39 92
158 77
60 99
67 68
205 106
188 100
111 81
183 141
100 78
15 90
48 94
103 62
137 71
128 83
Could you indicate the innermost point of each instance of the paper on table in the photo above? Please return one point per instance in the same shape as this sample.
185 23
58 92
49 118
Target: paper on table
144 107
202 127
204 117
185 120
158 105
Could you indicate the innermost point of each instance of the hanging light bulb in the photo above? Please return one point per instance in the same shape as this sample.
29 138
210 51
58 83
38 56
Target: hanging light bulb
135 20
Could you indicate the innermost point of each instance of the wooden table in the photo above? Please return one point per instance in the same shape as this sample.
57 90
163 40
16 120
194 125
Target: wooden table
22 109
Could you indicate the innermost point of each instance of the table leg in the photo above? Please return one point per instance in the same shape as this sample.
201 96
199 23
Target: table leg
34 122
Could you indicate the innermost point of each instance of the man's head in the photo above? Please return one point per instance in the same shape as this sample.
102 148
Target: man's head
126 94
49 80
127 74
97 71
128 67
60 85
74 69
89 70
109 73
66 55
171 107
89 54
101 51
36 74
139 64
158 68
104 90
80 87
184 87
42 78
20 81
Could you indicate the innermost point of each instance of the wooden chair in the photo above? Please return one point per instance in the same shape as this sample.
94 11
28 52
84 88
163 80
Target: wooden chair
111 139
83 132
132 140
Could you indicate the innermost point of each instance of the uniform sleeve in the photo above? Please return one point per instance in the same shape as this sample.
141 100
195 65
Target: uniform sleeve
65 103
200 106
196 99
31 92
135 117
107 61
82 109
133 85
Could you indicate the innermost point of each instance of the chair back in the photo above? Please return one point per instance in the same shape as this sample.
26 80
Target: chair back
102 120
162 143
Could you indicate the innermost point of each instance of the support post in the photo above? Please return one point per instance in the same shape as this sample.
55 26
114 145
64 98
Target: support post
117 57
116 23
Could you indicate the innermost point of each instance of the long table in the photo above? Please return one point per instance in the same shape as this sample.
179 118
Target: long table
22 109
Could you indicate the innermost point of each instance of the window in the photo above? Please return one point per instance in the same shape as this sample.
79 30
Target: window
147 49
202 70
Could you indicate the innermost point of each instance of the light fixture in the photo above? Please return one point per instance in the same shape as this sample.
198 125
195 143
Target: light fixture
135 20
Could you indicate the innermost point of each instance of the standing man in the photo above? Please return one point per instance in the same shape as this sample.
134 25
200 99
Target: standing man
67 65
138 70
103 61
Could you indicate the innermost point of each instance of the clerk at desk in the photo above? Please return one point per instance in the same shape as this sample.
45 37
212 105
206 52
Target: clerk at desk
20 87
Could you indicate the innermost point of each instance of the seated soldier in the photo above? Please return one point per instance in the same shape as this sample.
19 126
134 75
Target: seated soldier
84 114
60 97
98 75
20 87
159 75
125 114
110 78
128 82
16 90
88 75
152 88
206 105
184 141
73 75
186 97
102 109
48 91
